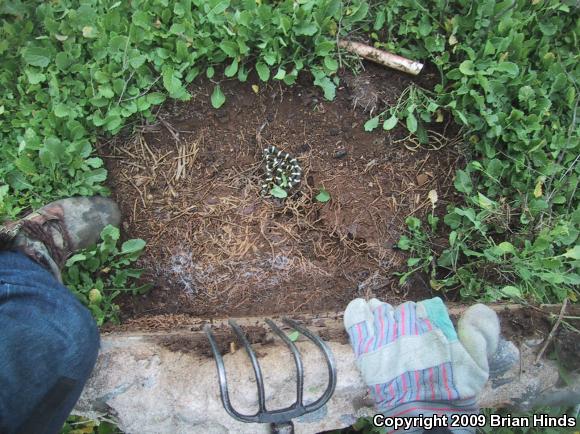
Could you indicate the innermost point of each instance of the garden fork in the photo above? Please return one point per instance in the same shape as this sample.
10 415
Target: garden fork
280 420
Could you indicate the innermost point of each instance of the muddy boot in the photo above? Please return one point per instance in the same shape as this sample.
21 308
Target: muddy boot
54 232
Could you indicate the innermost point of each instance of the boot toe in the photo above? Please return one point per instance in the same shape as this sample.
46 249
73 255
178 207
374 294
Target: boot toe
86 217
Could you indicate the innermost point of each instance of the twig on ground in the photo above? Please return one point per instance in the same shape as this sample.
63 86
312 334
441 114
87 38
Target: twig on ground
382 57
174 133
552 332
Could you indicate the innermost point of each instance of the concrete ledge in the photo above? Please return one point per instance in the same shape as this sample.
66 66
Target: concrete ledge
148 384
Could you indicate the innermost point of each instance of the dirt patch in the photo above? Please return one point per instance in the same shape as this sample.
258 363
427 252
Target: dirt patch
566 346
190 186
521 324
526 323
225 339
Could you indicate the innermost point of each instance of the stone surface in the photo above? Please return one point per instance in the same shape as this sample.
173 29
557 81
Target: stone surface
149 388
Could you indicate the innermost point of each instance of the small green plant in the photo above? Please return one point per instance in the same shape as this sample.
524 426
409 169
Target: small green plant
480 267
294 336
74 69
416 106
80 425
279 192
509 77
323 196
365 425
419 245
99 274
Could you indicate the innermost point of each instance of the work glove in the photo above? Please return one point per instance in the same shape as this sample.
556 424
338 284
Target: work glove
413 360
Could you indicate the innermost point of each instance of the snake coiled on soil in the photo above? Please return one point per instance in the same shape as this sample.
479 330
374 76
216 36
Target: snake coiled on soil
280 170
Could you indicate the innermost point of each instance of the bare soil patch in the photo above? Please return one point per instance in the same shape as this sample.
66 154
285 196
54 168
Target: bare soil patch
190 186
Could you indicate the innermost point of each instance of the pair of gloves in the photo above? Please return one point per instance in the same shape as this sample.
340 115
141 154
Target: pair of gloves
414 361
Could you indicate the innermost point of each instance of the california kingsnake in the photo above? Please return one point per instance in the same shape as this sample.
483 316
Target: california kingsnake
281 170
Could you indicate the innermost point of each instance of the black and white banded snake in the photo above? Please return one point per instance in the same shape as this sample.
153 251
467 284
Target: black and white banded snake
281 170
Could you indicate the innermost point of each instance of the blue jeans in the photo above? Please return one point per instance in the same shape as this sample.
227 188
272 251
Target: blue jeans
48 348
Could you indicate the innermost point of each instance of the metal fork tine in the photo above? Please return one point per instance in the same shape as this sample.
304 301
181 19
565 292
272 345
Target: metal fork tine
280 418
297 361
330 363
257 371
224 394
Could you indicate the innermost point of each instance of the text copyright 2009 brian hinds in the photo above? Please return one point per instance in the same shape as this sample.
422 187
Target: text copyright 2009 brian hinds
539 420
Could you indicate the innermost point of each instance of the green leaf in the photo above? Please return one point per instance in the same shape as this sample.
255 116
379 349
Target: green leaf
573 253
170 82
217 97
506 247
137 61
331 63
90 32
467 68
155 98
61 111
230 48
371 124
484 202
94 162
263 71
359 12
243 73
132 246
36 56
511 291
294 336
191 74
3 192
95 296
231 69
452 238
413 223
328 87
278 192
110 232
508 67
411 123
526 93
106 91
453 220
35 77
404 243
62 60
411 262
270 58
323 196
306 29
79 257
210 72
463 182
324 48
95 176
425 26
390 123
25 165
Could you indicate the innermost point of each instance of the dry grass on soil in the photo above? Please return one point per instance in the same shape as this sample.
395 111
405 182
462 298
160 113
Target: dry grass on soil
190 186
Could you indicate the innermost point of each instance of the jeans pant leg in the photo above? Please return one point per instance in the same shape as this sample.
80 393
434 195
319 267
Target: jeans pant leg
48 347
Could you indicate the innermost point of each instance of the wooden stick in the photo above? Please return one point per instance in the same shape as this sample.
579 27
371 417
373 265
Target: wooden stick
553 331
382 57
